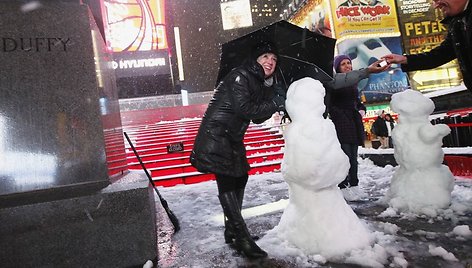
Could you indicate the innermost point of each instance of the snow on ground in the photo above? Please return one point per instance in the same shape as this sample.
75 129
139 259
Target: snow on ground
401 239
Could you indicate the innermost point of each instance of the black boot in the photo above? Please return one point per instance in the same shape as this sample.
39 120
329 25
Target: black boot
229 233
242 240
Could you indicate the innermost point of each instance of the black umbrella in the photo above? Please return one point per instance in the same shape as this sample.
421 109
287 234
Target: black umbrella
302 53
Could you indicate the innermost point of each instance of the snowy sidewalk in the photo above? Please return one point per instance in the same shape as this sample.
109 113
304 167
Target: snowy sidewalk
404 240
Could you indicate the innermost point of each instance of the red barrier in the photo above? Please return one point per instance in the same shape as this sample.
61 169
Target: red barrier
459 165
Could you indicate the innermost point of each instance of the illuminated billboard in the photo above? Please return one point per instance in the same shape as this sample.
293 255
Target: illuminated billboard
355 17
141 63
422 31
363 52
236 14
135 25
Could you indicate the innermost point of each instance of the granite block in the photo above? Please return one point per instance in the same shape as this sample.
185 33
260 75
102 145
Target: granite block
57 98
115 227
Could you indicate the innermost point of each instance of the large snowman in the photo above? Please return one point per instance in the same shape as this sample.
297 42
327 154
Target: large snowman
317 219
421 184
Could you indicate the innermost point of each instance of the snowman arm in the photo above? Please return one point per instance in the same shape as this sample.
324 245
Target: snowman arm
442 129
430 133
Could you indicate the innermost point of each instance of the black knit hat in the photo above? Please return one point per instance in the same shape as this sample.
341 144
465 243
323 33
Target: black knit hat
264 47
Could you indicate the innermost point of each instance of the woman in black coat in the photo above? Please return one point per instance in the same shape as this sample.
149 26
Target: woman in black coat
346 111
247 93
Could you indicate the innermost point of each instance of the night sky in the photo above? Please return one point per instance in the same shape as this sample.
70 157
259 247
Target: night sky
201 33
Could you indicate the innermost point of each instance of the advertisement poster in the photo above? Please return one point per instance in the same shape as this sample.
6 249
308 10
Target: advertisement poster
422 31
133 25
363 17
363 52
420 25
236 14
315 17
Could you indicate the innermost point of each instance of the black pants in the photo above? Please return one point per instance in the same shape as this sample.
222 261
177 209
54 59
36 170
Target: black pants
351 151
228 184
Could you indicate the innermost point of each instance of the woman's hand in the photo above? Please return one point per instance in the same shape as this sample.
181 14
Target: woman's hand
377 68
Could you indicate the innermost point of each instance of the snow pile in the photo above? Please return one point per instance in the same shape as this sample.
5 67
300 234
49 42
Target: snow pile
401 240
462 230
441 252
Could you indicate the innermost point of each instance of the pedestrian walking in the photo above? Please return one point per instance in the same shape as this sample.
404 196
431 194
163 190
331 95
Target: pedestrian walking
390 123
379 128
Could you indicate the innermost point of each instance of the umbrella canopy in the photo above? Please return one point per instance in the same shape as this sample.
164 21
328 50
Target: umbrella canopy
302 53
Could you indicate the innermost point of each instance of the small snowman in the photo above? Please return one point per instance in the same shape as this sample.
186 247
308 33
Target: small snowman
421 184
317 218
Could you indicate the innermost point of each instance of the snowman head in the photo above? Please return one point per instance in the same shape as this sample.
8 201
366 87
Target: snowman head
305 99
411 104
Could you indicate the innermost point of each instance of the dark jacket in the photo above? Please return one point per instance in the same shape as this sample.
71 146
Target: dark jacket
392 125
379 128
342 80
344 107
238 99
457 44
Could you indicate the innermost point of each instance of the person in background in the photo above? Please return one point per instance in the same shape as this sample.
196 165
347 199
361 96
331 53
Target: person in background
390 122
379 128
249 92
457 44
346 111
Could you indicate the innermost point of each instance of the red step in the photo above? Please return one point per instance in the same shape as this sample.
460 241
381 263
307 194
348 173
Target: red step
172 137
157 169
459 165
188 145
196 177
251 148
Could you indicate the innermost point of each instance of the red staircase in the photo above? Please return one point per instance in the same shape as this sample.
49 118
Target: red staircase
115 152
264 147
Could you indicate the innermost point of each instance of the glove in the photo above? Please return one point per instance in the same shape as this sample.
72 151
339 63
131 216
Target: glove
325 114
279 102
285 119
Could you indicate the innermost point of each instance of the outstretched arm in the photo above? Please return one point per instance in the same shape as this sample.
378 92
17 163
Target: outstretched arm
395 58
341 80
426 60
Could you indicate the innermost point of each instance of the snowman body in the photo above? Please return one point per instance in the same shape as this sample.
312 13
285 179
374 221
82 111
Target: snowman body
317 219
421 183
